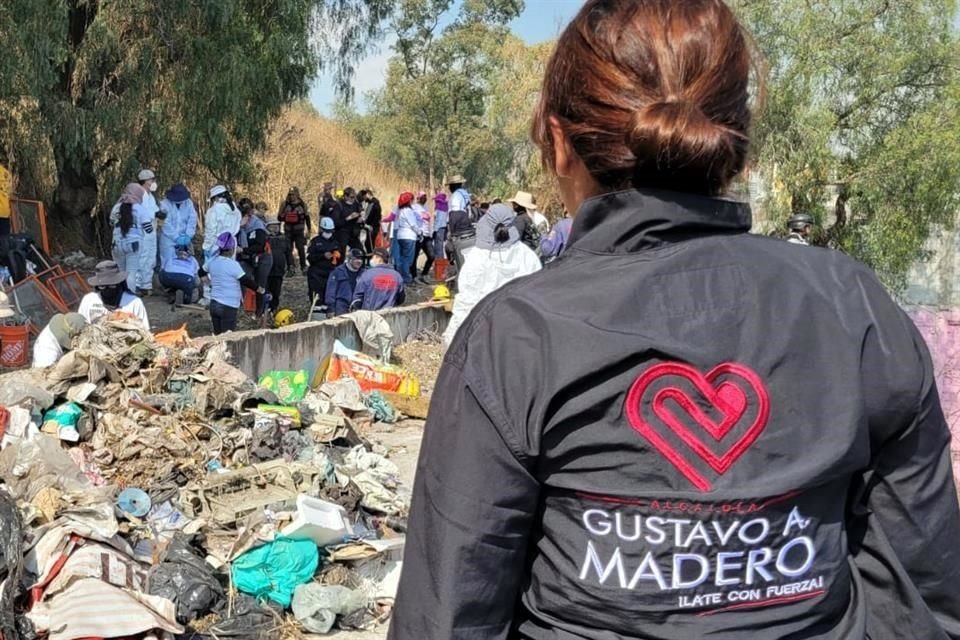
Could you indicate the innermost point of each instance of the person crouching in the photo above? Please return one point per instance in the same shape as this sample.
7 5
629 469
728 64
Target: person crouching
380 286
179 273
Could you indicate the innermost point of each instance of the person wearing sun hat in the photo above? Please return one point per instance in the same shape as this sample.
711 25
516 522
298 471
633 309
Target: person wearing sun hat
110 294
57 338
523 204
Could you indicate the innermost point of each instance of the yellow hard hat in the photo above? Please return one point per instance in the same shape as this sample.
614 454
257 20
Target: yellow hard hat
283 318
441 293
339 193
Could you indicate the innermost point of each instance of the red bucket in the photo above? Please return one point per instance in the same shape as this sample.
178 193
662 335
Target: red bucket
440 269
249 300
14 346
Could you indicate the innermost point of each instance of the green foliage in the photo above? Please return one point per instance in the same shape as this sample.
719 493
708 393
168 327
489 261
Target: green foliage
442 109
859 126
95 90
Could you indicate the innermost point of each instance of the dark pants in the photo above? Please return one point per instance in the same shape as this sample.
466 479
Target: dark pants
275 287
425 245
296 238
260 273
405 260
179 282
224 318
317 283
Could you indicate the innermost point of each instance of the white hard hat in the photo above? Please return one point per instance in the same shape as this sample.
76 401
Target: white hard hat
146 174
218 190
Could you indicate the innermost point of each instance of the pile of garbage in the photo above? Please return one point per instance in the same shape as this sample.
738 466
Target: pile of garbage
150 489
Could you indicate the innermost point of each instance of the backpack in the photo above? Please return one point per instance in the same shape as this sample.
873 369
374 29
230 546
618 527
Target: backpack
291 215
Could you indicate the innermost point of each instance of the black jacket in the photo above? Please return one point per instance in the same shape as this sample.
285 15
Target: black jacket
279 245
679 431
316 254
374 214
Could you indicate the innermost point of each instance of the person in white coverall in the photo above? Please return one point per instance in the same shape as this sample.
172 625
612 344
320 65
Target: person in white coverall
497 258
181 220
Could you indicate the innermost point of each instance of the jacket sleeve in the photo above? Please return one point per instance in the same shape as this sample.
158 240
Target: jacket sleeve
908 519
191 219
360 292
473 509
401 292
306 216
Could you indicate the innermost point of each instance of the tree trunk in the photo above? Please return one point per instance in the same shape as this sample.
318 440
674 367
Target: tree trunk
74 200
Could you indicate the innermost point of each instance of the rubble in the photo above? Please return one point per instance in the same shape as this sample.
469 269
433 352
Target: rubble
151 480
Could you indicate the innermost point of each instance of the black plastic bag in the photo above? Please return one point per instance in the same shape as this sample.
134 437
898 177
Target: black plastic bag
11 564
185 579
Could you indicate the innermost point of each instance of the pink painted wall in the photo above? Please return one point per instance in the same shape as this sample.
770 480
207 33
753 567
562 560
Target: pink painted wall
941 330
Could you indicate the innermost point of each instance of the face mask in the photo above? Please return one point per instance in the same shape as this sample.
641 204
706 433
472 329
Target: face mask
111 295
351 200
327 235
153 187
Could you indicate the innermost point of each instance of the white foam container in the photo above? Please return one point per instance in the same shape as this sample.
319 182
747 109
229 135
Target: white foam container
323 522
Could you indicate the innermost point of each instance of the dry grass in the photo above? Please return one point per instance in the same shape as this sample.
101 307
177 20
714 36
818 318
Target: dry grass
307 150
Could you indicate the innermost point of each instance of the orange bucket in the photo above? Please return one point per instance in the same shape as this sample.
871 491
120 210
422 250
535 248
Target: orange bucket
14 346
440 269
249 300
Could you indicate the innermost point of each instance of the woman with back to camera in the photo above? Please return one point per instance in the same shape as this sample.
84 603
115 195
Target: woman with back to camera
655 438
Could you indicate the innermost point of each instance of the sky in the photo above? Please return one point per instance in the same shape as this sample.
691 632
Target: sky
541 20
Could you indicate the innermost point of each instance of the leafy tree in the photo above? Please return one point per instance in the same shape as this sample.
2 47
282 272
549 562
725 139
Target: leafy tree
859 125
90 90
430 118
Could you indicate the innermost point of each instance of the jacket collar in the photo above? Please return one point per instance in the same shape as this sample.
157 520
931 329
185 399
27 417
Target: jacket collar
628 221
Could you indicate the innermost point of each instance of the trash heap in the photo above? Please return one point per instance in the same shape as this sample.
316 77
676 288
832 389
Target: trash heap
150 489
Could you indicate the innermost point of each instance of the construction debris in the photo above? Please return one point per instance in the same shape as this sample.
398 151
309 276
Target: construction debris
150 481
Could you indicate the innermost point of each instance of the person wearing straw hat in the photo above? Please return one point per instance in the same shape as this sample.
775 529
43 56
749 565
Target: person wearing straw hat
523 203
110 294
57 339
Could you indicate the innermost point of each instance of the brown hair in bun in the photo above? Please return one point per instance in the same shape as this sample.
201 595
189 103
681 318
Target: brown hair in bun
651 93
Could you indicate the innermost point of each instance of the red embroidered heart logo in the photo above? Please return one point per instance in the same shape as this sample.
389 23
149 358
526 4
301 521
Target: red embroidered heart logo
729 389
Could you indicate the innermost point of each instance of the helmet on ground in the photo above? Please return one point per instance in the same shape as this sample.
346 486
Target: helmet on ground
283 317
441 293
327 224
800 221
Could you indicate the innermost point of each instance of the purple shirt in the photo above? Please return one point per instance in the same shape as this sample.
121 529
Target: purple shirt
556 241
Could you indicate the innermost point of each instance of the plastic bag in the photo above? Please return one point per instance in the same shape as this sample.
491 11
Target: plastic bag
186 580
371 374
290 386
27 466
64 418
275 570
11 564
248 620
317 606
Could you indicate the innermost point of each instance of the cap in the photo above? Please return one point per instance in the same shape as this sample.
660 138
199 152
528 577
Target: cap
218 190
146 174
183 241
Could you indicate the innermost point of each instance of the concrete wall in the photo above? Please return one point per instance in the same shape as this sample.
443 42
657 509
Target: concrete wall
305 345
941 330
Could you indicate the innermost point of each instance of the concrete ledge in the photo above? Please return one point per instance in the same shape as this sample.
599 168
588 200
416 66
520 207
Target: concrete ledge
305 345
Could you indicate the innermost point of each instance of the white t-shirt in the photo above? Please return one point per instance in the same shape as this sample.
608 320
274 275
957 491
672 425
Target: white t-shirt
225 275
93 309
46 350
